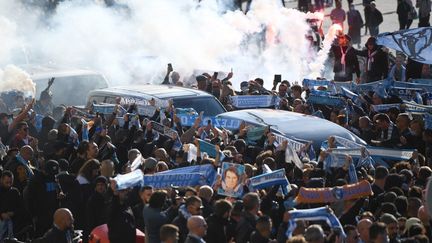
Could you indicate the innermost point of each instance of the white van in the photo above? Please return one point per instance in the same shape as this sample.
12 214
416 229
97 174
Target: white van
70 86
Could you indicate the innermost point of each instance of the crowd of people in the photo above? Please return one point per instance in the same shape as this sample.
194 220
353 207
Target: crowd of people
59 164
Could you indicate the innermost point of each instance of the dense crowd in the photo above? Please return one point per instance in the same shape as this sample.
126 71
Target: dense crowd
59 164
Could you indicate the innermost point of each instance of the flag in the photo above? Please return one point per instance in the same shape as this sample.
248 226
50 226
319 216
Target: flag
415 43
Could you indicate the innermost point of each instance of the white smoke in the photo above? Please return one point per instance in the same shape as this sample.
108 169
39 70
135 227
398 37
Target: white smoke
134 44
317 66
14 78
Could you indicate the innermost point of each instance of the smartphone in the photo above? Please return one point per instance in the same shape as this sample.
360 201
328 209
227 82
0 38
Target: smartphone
215 75
170 65
277 79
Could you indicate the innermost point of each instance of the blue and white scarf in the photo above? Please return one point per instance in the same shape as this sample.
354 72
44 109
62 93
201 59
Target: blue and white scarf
252 101
385 107
313 214
413 108
324 98
269 179
185 176
188 120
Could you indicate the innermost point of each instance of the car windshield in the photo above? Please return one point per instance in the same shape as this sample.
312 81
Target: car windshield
71 90
209 105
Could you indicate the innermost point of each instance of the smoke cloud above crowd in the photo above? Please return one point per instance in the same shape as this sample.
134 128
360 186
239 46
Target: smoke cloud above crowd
134 42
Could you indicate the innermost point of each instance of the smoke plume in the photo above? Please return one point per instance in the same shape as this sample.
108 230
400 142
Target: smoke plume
133 42
14 78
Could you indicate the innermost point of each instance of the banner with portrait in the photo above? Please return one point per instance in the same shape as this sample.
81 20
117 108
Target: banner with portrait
233 176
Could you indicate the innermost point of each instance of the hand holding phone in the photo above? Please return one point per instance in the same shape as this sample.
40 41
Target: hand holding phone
277 79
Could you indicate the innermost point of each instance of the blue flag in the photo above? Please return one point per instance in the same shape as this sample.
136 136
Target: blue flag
415 43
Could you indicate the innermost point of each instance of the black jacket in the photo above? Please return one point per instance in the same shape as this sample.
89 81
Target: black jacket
379 64
96 211
54 235
191 239
138 214
375 18
245 227
121 223
258 238
216 231
181 222
351 63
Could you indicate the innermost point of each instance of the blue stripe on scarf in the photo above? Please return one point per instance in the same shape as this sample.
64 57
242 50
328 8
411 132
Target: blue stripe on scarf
326 100
228 123
253 101
314 214
384 107
273 178
201 175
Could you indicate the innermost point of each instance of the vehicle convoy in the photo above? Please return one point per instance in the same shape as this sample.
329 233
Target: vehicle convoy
140 94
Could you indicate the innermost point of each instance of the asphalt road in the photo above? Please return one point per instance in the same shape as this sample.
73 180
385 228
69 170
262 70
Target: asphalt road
387 8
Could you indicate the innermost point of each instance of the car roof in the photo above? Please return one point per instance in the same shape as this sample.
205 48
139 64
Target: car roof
294 125
47 71
156 91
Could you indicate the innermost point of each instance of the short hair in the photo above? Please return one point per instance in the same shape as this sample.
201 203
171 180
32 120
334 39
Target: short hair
239 144
83 147
21 124
424 172
382 117
191 189
297 239
263 223
296 87
7 173
205 192
347 228
142 189
314 232
250 201
168 231
192 200
377 229
222 206
260 81
232 169
381 172
134 152
157 199
401 204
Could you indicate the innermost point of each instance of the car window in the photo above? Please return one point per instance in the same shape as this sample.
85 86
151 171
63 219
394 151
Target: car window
209 105
71 90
